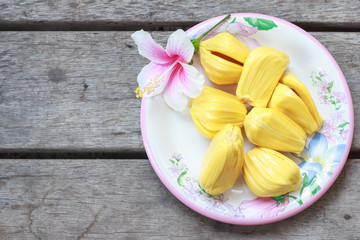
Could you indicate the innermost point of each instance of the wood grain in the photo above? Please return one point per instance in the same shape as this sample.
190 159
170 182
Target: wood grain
124 199
74 91
162 13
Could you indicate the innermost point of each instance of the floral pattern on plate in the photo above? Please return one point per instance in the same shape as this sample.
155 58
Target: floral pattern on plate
337 125
318 160
318 163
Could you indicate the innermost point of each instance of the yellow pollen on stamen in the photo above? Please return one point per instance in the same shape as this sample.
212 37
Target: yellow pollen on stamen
155 82
139 93
152 85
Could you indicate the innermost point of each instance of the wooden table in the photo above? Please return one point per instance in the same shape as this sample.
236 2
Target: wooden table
73 164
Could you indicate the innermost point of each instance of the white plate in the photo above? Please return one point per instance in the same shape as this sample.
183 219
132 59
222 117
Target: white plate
175 148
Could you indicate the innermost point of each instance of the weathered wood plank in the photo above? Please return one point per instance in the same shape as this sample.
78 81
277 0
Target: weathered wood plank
124 199
162 13
74 91
62 88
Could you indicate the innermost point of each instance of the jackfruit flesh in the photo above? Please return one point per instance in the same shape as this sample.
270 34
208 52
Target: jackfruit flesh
222 58
289 103
269 173
289 79
261 73
223 160
213 109
269 128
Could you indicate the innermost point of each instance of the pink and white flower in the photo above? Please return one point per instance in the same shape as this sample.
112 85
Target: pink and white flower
324 87
338 117
168 72
322 98
243 33
262 207
328 130
341 96
239 30
191 190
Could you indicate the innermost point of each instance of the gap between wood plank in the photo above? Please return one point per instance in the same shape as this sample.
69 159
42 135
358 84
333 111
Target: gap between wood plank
72 155
92 155
151 26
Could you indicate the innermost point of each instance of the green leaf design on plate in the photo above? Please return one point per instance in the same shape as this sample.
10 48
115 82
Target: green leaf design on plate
331 84
260 23
305 179
343 124
314 188
279 199
233 20
202 191
179 180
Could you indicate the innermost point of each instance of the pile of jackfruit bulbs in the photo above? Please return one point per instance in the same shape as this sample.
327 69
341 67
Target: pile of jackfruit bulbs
283 114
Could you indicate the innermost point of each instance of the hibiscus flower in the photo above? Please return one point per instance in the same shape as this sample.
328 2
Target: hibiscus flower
168 72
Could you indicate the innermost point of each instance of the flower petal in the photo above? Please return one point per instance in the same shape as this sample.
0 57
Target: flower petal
333 157
153 78
313 173
318 145
180 45
312 168
249 42
261 206
335 153
273 212
149 49
241 29
192 80
174 95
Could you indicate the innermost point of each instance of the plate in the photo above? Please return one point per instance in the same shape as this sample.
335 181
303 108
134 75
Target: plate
175 148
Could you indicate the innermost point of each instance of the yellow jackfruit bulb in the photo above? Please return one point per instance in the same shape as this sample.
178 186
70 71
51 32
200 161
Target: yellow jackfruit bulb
222 58
286 101
289 79
223 161
269 173
213 109
269 128
262 71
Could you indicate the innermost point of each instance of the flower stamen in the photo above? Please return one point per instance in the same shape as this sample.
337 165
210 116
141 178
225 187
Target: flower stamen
152 84
139 93
155 82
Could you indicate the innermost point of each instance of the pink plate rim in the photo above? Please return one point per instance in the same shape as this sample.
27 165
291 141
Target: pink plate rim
241 221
